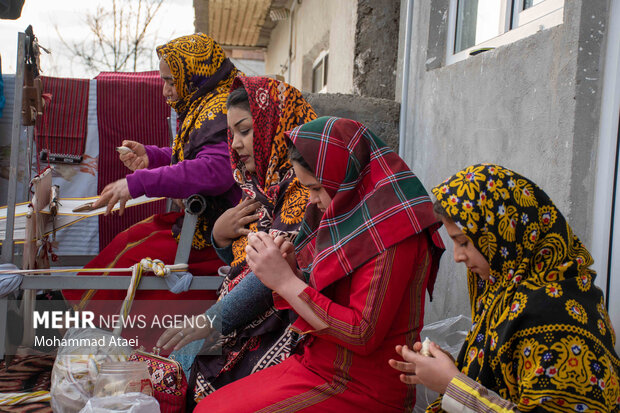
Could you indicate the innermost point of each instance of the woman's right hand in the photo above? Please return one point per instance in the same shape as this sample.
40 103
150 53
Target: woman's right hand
232 223
435 371
136 159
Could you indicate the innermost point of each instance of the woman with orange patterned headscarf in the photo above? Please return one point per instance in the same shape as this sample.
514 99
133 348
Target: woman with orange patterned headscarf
197 78
255 334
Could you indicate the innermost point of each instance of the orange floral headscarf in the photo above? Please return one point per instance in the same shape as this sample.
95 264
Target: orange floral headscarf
276 108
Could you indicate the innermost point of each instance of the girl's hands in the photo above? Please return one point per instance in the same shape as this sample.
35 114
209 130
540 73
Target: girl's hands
266 260
232 223
287 249
435 372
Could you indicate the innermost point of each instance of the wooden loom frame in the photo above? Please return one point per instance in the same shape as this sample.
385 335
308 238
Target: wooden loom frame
59 282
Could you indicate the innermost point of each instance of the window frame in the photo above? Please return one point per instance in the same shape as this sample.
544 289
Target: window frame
321 58
517 24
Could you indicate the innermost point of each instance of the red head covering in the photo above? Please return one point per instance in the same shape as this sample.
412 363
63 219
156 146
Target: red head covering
275 108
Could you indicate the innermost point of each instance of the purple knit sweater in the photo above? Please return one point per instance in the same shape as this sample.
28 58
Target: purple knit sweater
208 174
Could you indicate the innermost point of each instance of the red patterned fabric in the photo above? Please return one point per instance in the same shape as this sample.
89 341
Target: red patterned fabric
62 128
129 106
344 367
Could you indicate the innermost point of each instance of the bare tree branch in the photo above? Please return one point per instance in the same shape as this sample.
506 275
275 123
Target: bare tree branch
118 36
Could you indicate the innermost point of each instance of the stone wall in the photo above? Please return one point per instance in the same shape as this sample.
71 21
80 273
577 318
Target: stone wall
532 105
379 115
376 48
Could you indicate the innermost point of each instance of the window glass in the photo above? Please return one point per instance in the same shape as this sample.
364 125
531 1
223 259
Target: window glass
530 3
317 76
477 21
325 62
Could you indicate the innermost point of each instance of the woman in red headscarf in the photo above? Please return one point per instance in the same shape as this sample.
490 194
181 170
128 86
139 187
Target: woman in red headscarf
255 334
367 251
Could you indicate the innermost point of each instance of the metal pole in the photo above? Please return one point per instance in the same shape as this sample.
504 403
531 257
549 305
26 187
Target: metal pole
4 311
28 163
404 93
7 245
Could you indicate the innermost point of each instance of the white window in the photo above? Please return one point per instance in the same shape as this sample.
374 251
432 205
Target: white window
479 24
319 73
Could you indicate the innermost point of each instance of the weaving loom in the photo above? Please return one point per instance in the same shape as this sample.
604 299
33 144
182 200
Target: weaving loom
65 215
35 223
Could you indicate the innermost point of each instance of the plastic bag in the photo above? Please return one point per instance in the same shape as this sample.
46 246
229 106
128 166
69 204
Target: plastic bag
77 366
449 334
125 403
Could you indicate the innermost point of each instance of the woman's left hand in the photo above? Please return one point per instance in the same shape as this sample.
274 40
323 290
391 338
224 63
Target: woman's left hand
287 249
112 193
435 372
265 259
177 337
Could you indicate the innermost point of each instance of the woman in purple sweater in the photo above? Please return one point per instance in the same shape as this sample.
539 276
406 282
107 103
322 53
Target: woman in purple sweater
197 78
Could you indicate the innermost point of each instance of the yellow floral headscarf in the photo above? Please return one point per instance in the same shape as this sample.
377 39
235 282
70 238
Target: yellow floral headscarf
202 78
541 336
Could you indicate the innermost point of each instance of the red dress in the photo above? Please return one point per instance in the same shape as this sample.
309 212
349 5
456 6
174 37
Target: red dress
344 368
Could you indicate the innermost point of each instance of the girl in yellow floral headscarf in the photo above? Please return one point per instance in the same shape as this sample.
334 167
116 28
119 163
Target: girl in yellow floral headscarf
541 338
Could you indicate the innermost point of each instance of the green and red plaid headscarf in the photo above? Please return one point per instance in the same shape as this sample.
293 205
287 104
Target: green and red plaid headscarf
377 201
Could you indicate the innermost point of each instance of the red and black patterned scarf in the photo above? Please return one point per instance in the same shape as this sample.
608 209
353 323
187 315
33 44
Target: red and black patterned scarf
275 107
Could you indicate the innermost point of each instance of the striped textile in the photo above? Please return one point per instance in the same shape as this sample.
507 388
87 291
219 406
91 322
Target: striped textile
129 106
62 129
10 399
465 395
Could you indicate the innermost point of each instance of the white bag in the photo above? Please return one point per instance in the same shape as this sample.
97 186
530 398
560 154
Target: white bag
124 403
77 366
449 334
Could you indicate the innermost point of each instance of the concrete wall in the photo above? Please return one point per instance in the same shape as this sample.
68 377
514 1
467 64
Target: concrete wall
532 106
317 25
